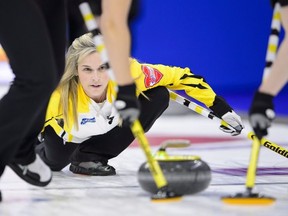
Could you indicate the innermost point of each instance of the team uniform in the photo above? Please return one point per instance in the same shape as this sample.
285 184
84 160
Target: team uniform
98 136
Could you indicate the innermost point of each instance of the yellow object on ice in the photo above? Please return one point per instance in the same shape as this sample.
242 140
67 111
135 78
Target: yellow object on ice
249 200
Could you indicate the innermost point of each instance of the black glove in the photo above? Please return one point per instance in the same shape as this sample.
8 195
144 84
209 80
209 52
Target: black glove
261 113
222 110
127 104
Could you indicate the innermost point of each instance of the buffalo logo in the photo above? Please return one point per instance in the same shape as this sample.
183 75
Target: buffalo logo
152 76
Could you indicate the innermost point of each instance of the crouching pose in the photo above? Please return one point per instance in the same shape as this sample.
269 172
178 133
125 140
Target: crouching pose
82 126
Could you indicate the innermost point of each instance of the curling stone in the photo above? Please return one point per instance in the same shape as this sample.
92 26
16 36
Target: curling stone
185 174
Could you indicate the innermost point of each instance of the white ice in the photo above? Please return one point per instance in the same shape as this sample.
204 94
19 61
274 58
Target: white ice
71 194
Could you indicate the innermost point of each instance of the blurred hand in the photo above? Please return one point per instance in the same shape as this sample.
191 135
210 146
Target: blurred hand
127 104
261 113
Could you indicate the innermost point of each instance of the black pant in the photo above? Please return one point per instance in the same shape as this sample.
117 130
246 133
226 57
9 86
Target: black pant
33 35
105 146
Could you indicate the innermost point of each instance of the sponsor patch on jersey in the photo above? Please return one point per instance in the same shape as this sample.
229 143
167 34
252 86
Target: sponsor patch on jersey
86 120
152 76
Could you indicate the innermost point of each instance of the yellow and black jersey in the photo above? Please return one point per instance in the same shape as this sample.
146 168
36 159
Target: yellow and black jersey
95 119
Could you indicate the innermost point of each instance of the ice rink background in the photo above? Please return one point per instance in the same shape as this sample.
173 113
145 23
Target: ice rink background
228 157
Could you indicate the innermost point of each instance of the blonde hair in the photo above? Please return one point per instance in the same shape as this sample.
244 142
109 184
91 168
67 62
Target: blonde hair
68 86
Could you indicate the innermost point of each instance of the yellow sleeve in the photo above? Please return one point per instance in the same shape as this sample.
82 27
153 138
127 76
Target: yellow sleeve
52 109
52 113
149 76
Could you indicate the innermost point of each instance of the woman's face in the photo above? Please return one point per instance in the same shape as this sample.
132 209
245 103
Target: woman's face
93 77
